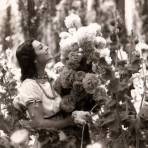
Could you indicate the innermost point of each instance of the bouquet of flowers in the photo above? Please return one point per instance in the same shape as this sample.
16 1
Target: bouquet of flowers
97 78
82 49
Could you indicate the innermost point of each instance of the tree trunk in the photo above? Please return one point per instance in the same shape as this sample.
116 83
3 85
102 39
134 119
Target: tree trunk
120 4
144 15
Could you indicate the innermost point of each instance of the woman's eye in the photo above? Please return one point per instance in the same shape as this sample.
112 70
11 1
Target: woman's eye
40 48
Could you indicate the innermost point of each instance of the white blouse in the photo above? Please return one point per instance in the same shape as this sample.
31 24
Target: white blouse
32 92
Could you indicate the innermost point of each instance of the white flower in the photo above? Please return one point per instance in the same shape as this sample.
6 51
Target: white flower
108 60
69 43
4 111
84 35
72 21
117 75
138 83
64 35
2 90
135 75
80 116
8 52
122 55
95 118
58 67
136 95
17 73
105 52
32 140
94 145
2 134
141 48
95 28
20 136
72 31
62 136
100 42
1 48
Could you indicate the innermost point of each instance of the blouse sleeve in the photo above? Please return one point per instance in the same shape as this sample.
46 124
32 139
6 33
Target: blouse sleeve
30 92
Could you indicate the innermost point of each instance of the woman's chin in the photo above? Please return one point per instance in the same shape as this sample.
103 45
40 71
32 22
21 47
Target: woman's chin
49 60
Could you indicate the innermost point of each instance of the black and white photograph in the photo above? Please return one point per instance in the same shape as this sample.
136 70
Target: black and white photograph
73 73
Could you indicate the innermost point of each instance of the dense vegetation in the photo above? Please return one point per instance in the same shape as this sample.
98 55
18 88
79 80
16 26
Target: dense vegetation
103 64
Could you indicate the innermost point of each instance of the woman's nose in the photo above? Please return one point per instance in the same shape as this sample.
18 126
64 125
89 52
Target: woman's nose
46 48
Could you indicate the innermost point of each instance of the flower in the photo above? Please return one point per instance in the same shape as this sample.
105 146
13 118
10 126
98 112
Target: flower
99 69
68 103
100 94
72 31
67 78
141 48
94 145
90 83
78 87
67 45
75 56
105 52
74 60
58 67
64 35
2 90
85 39
100 42
95 56
108 60
122 55
95 118
72 64
95 28
80 117
78 92
20 136
138 82
72 21
79 75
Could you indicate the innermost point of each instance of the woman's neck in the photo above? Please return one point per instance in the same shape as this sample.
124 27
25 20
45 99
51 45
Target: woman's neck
41 70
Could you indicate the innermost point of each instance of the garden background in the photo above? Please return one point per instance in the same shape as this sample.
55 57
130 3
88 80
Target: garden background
124 26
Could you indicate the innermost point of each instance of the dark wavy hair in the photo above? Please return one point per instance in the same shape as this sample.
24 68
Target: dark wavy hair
26 56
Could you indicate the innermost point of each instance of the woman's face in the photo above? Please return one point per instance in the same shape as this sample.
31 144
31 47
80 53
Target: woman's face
42 52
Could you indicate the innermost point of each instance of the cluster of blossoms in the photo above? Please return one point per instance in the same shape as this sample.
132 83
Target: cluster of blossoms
87 41
138 90
96 73
85 58
139 80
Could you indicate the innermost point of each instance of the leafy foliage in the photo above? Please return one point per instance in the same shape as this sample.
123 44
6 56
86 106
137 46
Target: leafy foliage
97 76
106 80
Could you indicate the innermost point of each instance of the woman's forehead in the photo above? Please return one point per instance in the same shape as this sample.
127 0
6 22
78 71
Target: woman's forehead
36 43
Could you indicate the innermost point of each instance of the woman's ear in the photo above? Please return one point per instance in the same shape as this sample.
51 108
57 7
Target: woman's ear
35 61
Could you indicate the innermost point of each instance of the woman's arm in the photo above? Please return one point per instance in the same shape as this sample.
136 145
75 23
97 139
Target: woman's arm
37 118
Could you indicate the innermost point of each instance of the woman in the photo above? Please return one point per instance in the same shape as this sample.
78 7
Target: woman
36 93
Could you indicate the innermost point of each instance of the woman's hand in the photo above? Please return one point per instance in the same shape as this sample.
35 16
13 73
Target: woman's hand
70 120
38 121
80 117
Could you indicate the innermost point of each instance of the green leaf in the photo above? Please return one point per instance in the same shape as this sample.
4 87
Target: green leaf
107 121
114 85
